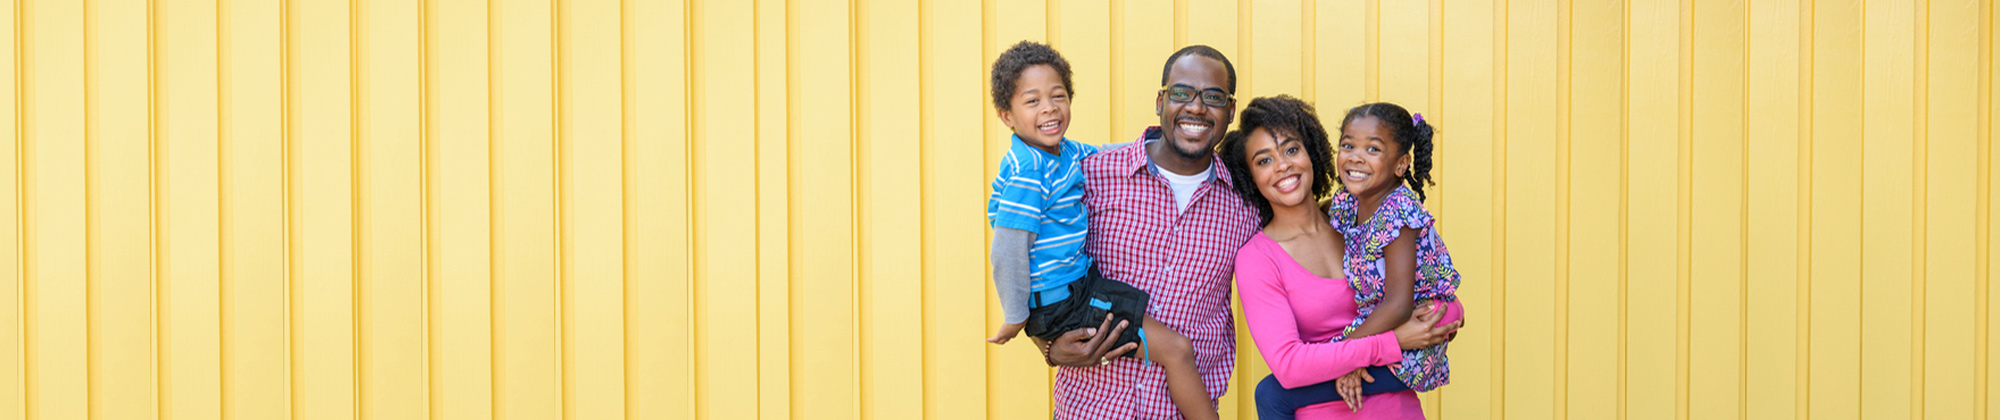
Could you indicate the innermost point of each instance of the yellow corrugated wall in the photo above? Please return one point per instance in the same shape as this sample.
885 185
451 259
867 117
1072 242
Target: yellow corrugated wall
731 209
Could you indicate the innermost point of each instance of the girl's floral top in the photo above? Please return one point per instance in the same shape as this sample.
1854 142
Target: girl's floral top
1422 369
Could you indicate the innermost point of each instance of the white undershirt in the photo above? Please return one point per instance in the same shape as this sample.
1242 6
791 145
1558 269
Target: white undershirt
1184 185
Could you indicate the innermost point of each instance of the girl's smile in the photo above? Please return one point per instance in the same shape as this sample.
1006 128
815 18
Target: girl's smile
1366 154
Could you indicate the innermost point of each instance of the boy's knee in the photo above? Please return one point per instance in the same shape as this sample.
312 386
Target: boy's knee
1172 347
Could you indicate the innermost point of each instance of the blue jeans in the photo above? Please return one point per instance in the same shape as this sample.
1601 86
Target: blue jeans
1274 402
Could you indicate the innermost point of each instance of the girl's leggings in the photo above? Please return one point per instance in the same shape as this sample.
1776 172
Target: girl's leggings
1274 402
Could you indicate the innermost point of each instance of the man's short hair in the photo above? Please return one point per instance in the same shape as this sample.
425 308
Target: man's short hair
1204 51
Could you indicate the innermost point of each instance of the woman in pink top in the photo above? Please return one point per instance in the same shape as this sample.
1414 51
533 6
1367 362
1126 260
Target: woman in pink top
1295 298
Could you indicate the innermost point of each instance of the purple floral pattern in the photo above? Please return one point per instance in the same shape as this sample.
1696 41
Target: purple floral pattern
1422 369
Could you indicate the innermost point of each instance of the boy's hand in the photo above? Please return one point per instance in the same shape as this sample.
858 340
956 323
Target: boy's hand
1007 332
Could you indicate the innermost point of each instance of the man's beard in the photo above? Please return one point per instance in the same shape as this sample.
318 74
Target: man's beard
1189 154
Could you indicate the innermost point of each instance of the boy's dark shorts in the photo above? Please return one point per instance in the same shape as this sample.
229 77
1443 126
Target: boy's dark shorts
1089 298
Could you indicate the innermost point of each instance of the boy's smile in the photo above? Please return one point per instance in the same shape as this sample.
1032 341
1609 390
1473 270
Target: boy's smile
1039 111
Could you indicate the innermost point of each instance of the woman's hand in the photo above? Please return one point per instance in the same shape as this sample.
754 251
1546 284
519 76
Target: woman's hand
1088 346
1421 330
1349 387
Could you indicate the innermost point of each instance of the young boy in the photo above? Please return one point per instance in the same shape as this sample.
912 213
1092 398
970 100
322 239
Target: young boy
1045 280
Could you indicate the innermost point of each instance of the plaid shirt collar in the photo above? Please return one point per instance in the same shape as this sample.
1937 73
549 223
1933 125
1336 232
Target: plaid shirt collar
1133 163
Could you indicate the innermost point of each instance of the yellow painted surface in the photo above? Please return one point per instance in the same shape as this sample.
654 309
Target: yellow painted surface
710 209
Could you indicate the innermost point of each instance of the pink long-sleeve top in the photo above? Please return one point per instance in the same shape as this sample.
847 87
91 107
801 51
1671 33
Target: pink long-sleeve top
1294 314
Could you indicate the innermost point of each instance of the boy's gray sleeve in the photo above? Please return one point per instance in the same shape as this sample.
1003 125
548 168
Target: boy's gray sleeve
1010 271
1113 146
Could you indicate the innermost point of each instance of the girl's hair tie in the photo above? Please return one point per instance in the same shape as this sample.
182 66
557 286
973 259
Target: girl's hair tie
1416 118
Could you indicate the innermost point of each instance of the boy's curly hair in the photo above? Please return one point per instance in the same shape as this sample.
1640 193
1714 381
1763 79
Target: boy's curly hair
1019 58
1278 115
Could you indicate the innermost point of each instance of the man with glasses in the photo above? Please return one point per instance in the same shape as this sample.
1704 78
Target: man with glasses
1165 219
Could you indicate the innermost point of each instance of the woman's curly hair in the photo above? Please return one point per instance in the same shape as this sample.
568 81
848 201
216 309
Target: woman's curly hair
1280 115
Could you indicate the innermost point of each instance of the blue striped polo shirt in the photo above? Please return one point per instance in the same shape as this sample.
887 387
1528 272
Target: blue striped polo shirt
1043 193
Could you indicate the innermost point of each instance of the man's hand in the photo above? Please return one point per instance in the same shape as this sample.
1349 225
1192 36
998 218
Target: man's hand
1088 346
1006 333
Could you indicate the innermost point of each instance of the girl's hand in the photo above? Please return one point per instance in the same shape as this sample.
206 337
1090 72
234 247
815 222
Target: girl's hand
1007 332
1349 387
1421 330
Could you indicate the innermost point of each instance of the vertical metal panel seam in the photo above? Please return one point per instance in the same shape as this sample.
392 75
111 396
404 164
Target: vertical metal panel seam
1372 51
357 190
559 158
1624 207
1803 360
792 284
24 29
1180 23
1435 90
1684 209
1052 22
1499 180
697 261
432 363
987 53
155 245
93 283
225 280
21 89
496 322
627 129
1244 21
293 282
1743 235
857 207
1920 123
926 213
1565 80
1118 62
1308 44
859 164
1983 220
1861 214
1435 87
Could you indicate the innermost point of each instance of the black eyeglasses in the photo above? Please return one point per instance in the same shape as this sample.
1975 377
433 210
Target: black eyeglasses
1213 97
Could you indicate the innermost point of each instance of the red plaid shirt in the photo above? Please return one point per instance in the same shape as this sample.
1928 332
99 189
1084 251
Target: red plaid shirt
1185 261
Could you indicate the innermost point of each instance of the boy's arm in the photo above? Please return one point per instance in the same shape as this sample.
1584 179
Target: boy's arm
1010 271
1398 290
1114 146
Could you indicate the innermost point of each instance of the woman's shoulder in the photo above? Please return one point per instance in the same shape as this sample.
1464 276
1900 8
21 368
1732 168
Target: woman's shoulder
1258 245
1256 262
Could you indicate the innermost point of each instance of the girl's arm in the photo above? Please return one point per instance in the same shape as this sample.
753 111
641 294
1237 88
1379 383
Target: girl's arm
1275 329
1398 290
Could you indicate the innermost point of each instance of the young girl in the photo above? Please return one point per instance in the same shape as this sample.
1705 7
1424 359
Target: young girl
1395 261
